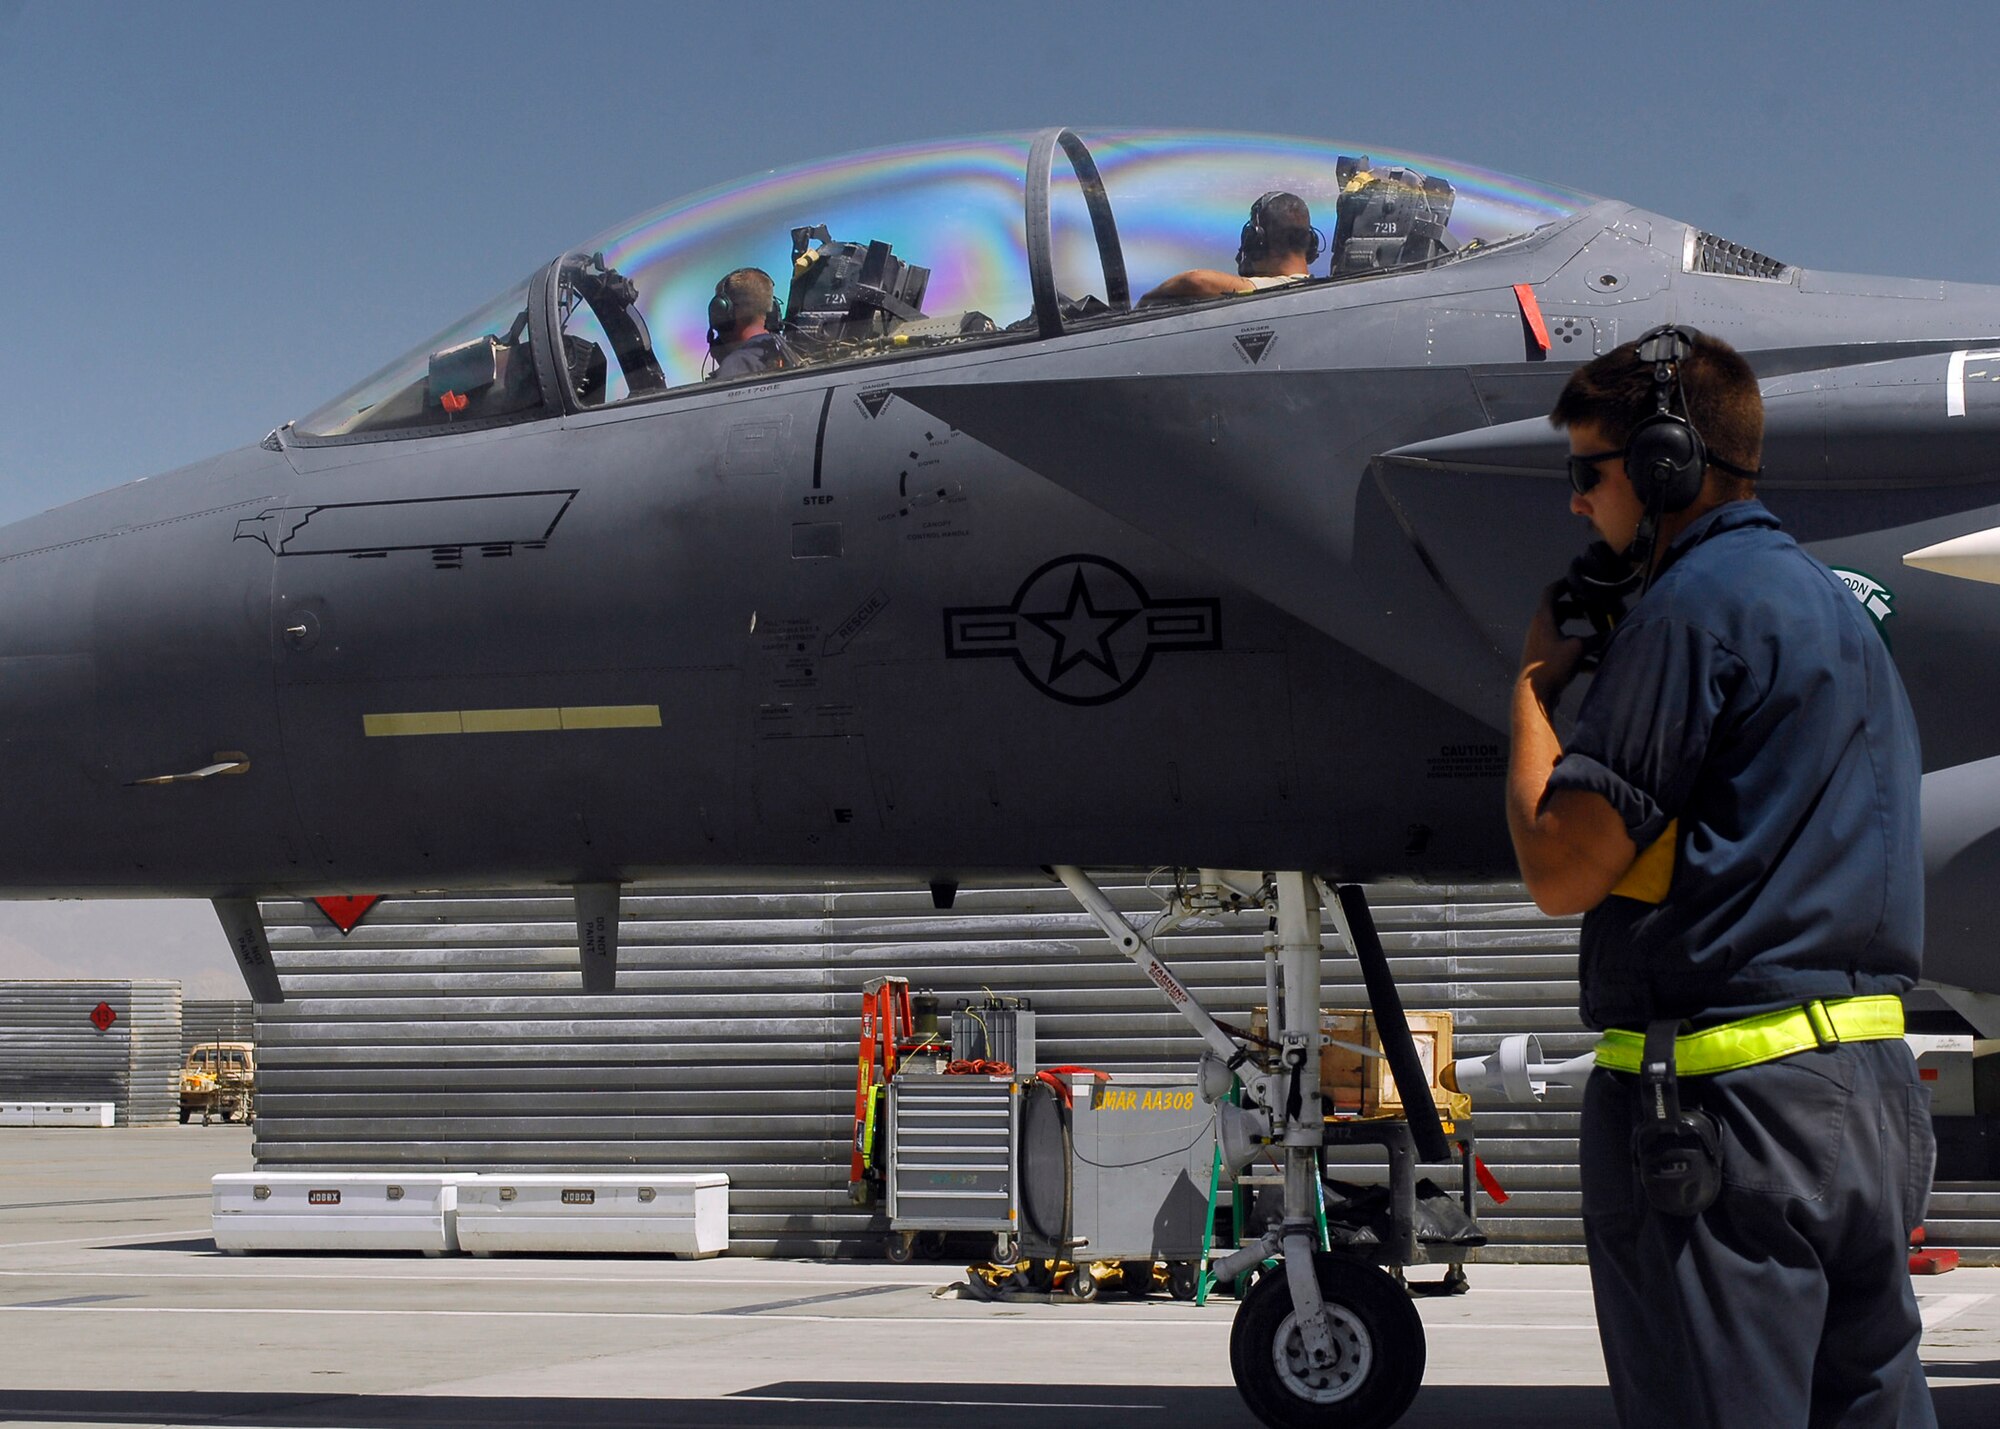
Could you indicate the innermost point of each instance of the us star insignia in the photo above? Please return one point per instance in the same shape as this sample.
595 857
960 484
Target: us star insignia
1082 629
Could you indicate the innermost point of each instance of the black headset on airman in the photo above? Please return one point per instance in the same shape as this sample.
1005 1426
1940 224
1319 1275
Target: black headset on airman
722 313
1255 240
1665 456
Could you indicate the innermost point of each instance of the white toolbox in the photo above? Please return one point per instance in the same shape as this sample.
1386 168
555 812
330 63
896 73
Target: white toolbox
336 1210
57 1114
622 1214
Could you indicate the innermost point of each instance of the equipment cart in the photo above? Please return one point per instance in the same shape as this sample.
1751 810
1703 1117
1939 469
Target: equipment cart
951 1158
1116 1171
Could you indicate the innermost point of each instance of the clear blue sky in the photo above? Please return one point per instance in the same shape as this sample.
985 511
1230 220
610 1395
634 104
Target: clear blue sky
215 216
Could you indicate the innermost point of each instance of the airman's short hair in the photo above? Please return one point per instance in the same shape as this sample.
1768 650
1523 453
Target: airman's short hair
1615 392
1287 223
749 291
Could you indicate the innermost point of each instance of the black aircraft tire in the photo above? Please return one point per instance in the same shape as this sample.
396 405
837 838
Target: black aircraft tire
1376 1330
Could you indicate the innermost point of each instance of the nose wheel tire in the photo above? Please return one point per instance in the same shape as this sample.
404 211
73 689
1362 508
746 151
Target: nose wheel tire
1378 1351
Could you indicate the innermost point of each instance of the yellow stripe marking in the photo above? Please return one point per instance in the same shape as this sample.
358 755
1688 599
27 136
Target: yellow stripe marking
425 722
510 721
611 717
513 721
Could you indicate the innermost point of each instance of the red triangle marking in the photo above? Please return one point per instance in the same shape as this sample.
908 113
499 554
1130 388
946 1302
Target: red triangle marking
344 913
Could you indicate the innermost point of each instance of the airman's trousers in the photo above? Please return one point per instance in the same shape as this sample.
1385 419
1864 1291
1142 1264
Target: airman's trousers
1788 1302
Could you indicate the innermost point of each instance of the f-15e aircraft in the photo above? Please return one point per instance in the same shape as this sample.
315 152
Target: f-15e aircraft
997 570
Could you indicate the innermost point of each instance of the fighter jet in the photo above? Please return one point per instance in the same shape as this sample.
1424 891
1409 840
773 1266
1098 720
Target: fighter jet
980 566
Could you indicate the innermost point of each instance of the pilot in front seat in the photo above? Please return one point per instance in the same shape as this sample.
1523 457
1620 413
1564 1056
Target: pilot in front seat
743 319
1277 247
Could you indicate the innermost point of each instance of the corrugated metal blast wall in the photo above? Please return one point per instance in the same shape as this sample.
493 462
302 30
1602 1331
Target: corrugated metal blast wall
51 1051
217 1020
448 1031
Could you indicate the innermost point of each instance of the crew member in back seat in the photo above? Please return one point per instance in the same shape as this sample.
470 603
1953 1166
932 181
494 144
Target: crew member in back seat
1277 247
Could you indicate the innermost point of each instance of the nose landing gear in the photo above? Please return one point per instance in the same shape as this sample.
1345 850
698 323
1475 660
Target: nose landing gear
1333 1341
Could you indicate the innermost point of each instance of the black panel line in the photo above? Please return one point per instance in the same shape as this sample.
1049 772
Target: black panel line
819 442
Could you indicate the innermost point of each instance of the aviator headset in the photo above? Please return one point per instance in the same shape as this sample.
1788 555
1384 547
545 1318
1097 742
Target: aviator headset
722 314
1665 456
1255 239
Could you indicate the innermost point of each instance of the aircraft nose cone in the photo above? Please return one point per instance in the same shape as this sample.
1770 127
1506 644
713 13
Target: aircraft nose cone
48 714
135 643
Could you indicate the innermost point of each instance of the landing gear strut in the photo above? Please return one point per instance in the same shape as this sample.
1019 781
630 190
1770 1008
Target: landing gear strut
1332 1340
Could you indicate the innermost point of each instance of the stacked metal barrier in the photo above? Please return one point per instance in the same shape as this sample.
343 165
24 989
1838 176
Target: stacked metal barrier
451 1031
52 1051
217 1020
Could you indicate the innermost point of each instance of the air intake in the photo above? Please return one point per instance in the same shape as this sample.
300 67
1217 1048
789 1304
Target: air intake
1709 254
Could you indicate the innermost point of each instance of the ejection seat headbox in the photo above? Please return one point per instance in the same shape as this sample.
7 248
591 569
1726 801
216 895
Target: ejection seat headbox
486 377
1388 218
460 371
848 292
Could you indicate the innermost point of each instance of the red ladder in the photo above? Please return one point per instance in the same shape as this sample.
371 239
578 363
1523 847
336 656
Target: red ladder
888 1031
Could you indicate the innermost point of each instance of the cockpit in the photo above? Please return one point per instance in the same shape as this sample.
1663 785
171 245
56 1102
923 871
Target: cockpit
1001 239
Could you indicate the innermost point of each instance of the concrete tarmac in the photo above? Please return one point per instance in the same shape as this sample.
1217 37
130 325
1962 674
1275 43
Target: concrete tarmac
116 1309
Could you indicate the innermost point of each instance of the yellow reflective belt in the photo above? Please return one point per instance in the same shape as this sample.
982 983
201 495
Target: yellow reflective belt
1765 1037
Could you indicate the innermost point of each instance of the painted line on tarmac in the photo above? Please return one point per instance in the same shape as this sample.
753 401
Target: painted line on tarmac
106 1201
368 1274
107 1240
1937 1309
1059 1320
497 1277
983 1323
833 1402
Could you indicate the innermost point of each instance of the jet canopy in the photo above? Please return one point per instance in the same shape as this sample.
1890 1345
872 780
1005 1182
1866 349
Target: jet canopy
926 247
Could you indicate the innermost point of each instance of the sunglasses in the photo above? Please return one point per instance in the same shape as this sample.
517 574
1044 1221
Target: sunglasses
1584 472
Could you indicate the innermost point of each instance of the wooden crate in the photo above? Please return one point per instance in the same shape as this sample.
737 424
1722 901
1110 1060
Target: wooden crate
1355 1084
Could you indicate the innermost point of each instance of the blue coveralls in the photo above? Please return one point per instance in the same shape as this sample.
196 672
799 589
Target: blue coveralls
1748 719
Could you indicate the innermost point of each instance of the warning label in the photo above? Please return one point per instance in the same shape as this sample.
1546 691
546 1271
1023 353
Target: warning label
1467 761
